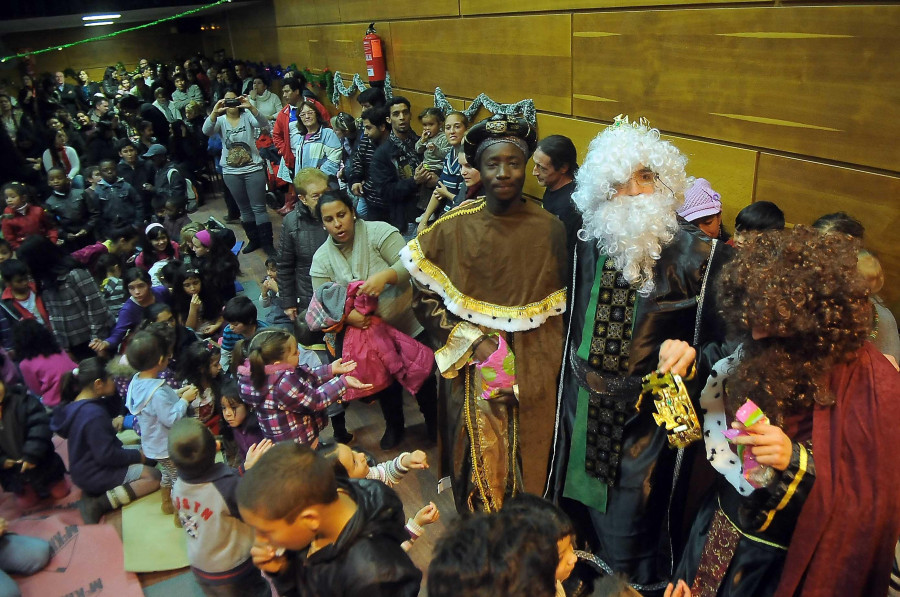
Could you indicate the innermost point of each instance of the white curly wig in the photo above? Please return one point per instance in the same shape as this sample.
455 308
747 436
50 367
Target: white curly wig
631 231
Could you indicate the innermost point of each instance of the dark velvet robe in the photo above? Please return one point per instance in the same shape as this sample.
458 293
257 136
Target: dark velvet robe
630 526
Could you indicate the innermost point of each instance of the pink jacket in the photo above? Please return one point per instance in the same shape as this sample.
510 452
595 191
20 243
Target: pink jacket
43 375
382 353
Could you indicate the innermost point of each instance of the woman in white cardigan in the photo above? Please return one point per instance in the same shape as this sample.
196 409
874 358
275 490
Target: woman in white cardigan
60 155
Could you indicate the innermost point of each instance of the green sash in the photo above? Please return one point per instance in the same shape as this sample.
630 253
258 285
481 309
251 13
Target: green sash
580 486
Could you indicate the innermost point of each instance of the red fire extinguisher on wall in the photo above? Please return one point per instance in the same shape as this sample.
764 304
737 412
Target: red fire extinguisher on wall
374 50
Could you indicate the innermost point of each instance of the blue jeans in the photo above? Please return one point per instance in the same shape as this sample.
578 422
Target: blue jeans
20 555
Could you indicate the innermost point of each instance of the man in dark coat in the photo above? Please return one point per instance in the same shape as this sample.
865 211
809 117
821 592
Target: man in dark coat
641 302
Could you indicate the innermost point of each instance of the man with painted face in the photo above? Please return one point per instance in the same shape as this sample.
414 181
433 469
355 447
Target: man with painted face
489 290
641 301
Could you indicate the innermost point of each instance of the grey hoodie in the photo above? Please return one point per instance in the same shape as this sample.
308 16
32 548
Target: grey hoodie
157 407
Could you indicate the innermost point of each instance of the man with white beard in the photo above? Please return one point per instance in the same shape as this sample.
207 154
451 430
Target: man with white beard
642 301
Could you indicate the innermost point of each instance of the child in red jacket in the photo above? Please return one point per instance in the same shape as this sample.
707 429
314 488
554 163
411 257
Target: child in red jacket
22 219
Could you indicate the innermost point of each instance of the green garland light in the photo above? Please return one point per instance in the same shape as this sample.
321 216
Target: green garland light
115 33
323 79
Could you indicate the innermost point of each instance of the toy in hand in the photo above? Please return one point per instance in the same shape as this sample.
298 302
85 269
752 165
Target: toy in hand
749 414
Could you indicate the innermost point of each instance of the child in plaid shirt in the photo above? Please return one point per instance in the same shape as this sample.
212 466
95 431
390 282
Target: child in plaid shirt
290 399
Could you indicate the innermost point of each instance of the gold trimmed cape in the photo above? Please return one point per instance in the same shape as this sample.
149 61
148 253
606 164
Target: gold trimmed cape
500 272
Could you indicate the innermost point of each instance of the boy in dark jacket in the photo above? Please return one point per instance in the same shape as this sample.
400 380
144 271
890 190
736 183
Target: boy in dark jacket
118 202
29 465
75 213
318 536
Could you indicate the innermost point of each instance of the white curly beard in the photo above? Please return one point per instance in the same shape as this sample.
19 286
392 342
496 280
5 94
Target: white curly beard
633 231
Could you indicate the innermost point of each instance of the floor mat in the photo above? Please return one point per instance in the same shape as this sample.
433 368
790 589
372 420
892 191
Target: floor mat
183 585
152 541
87 560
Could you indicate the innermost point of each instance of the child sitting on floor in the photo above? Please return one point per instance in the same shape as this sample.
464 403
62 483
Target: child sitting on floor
290 399
20 297
268 296
112 286
241 421
6 252
155 404
22 218
240 324
176 216
218 541
41 360
199 366
109 475
355 465
342 536
532 506
158 246
196 303
30 468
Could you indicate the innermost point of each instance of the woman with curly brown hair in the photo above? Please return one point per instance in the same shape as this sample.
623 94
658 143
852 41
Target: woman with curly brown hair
808 493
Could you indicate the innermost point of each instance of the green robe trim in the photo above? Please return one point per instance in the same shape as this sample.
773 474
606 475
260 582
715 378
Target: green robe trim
580 486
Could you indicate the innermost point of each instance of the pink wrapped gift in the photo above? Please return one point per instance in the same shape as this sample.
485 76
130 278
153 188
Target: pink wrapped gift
498 371
749 414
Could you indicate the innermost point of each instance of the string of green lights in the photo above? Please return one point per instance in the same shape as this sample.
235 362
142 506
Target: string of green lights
115 33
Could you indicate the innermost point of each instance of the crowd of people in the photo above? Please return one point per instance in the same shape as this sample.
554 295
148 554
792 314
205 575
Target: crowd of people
535 337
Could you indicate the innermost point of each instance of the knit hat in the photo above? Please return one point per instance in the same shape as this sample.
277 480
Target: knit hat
204 238
700 200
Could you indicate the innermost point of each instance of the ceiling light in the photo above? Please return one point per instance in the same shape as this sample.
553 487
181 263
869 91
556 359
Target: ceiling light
95 23
100 17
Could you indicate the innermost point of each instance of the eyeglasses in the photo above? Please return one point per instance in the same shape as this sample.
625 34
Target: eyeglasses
642 178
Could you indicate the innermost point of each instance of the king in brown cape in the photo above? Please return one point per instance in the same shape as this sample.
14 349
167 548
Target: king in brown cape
489 269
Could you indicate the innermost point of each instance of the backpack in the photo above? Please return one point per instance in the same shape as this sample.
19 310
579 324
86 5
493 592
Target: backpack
190 189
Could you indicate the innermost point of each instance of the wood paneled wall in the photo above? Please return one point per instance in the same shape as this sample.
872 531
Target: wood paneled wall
249 31
789 102
797 104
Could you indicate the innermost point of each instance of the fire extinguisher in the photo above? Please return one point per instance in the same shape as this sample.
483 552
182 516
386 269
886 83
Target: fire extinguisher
374 50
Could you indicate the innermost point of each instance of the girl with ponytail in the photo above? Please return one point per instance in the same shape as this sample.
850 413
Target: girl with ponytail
290 399
109 475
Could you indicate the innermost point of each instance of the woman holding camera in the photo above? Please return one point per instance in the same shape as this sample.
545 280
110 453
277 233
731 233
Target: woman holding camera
234 119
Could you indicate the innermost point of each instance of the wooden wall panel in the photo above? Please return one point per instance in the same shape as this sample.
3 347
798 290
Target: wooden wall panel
478 7
252 33
730 170
367 10
509 58
420 101
327 11
340 47
154 42
806 190
822 81
293 46
289 13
